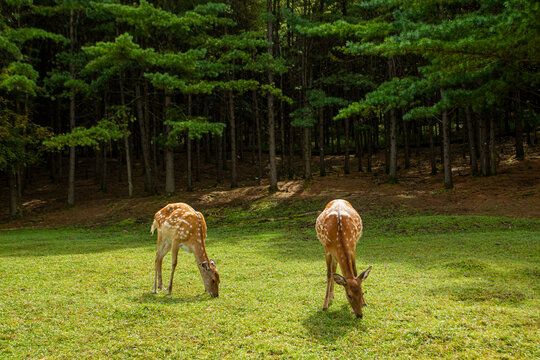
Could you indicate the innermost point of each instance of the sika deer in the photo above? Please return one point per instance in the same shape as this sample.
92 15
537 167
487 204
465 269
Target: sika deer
339 227
178 225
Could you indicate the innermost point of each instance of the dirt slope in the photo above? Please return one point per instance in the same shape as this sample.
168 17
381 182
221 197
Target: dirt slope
514 191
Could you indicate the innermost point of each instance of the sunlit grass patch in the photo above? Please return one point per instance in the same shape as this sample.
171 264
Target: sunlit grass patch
441 287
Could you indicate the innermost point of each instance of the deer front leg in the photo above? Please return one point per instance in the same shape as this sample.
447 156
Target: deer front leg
174 253
156 265
331 266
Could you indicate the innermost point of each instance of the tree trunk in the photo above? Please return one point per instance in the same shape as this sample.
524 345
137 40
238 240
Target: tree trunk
15 206
369 136
58 130
484 162
406 144
520 152
441 147
99 166
103 179
126 143
472 145
232 126
207 146
492 149
432 148
528 132
392 132
71 176
149 185
290 159
446 148
338 137
271 125
98 152
189 152
198 160
240 139
207 136
258 135
347 167
282 130
321 142
169 154
386 119
152 127
464 136
392 170
375 132
219 158
307 152
128 163
418 137
358 136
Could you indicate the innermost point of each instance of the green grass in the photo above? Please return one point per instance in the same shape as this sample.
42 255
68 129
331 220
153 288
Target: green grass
441 286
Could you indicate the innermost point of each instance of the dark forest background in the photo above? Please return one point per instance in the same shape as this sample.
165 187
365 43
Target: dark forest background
261 83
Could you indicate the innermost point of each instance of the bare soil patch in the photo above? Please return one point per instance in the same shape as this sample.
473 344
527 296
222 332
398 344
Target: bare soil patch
514 191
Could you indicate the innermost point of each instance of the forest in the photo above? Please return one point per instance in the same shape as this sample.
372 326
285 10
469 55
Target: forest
261 83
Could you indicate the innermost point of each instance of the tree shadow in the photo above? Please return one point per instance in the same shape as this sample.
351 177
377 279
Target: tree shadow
330 325
50 242
151 298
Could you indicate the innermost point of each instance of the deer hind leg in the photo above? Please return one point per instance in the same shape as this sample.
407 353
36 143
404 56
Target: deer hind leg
331 266
175 247
163 249
334 268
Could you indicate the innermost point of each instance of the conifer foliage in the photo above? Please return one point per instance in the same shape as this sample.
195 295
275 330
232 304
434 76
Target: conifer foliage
152 82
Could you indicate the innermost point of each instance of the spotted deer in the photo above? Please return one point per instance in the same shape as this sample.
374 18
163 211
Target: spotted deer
179 225
339 227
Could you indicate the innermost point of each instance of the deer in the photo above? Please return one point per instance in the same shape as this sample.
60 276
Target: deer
179 225
338 228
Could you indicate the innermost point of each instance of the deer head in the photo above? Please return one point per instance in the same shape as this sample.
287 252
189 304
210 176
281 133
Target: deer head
353 289
210 277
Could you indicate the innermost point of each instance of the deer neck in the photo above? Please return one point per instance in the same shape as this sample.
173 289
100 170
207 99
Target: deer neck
200 253
347 265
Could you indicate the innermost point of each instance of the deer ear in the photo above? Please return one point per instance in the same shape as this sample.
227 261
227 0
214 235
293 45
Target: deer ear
340 279
205 265
363 276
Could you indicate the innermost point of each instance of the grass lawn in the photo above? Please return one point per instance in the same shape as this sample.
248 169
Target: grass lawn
441 286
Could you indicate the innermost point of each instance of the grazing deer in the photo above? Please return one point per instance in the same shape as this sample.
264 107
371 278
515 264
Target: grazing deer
339 227
178 225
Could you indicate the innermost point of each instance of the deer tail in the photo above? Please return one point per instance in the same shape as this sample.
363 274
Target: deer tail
155 225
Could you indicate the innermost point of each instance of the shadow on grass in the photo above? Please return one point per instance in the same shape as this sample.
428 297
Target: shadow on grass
28 243
160 298
333 324
481 291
